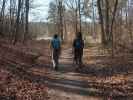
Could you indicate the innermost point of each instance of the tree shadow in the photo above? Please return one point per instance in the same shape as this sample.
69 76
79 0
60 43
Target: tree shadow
73 86
4 97
92 69
106 71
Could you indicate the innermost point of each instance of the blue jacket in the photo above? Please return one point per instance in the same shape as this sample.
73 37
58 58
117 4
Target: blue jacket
55 43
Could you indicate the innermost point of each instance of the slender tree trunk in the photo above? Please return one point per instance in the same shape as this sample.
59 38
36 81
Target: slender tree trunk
76 21
112 23
27 21
60 14
12 18
107 21
65 29
2 14
101 22
93 16
17 22
79 6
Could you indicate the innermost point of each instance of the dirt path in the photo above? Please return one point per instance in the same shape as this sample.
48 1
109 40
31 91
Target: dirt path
62 95
68 84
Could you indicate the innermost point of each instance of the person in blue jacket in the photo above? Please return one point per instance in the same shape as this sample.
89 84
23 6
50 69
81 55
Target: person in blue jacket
56 49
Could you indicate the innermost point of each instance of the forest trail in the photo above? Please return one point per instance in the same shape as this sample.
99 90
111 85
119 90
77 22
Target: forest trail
71 84
66 83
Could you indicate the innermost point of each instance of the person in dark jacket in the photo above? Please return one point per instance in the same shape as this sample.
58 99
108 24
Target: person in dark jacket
78 46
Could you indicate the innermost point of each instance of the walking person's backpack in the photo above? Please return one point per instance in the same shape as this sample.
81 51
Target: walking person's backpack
78 44
56 43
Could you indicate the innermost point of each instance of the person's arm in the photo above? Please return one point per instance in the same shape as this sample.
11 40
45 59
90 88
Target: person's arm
73 46
60 48
51 45
51 48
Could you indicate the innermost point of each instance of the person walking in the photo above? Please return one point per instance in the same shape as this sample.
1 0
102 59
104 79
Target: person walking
56 49
78 46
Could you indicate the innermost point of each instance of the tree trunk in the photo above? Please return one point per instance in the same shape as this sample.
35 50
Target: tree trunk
79 6
107 21
2 14
60 11
26 20
17 22
101 22
112 23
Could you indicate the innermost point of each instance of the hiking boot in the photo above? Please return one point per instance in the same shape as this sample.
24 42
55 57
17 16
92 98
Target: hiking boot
56 68
78 69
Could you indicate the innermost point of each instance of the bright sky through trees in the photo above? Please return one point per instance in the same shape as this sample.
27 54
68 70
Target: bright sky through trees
41 11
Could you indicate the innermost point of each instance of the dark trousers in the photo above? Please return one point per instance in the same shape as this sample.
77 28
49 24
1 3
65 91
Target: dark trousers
56 53
78 54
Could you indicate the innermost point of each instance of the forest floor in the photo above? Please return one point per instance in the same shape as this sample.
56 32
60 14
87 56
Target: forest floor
101 76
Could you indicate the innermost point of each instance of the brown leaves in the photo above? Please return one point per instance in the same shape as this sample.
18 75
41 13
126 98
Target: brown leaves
11 87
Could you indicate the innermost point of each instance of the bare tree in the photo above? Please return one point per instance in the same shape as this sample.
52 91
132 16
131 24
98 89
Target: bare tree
17 21
27 3
107 18
101 21
73 6
60 14
2 15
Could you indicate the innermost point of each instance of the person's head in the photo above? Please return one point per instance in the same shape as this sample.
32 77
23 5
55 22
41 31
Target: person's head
55 36
79 35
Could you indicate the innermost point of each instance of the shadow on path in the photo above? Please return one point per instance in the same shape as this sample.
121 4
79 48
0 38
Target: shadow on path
72 86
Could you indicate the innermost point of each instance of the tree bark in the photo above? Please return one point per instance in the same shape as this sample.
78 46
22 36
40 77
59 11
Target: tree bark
79 7
112 23
17 22
2 14
27 21
101 22
107 21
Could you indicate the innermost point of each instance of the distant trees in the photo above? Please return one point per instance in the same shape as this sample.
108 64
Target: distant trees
52 14
110 19
22 20
107 12
67 15
73 8
14 16
56 16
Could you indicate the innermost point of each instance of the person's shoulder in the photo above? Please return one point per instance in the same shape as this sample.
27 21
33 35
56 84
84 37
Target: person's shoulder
75 39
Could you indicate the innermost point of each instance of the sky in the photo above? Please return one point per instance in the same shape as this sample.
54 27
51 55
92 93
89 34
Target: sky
40 13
